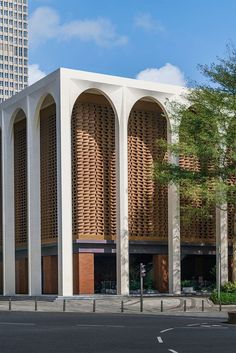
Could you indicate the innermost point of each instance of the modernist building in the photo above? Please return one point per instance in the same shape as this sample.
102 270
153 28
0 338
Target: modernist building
79 204
13 47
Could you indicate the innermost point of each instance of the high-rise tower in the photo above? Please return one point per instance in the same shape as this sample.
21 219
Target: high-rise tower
13 47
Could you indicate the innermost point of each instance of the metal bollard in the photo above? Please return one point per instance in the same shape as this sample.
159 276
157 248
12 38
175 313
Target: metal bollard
64 305
122 306
94 306
35 304
203 305
220 306
9 304
185 305
162 306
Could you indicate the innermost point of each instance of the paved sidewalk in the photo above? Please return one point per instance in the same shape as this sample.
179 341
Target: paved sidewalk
116 304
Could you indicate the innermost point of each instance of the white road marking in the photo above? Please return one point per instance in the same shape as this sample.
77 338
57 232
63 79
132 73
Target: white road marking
168 329
17 323
171 350
206 326
159 339
100 326
192 325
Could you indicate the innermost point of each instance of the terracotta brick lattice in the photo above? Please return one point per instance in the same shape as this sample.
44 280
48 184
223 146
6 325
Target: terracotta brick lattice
148 201
200 229
20 183
93 169
48 177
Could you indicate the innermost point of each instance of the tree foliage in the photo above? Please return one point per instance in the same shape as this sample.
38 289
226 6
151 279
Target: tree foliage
205 122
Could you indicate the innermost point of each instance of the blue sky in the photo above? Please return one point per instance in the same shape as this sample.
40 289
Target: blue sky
159 40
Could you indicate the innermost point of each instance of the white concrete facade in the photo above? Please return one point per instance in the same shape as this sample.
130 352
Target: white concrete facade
65 86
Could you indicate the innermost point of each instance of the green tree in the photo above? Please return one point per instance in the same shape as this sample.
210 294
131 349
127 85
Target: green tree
205 122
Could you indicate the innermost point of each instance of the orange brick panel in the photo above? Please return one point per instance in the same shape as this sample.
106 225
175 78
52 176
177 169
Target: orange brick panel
160 272
50 274
22 276
84 273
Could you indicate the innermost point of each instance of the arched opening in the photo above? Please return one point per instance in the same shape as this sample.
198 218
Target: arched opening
148 201
93 193
21 206
48 182
1 253
197 228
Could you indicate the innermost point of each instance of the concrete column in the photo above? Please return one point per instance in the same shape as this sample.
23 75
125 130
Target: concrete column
122 237
174 249
64 194
8 207
221 245
33 184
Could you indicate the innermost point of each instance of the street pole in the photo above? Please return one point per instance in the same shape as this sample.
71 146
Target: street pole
141 288
142 271
219 276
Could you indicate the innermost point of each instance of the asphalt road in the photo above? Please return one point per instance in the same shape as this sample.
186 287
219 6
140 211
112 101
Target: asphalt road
101 333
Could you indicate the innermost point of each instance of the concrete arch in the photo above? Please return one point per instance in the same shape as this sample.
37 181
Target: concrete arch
46 118
21 205
159 104
40 104
147 200
17 115
92 90
93 123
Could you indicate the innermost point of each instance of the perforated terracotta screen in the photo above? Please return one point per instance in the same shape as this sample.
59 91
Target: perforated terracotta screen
48 161
148 202
93 168
199 229
20 182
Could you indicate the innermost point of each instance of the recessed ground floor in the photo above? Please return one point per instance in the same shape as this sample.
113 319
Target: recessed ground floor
94 268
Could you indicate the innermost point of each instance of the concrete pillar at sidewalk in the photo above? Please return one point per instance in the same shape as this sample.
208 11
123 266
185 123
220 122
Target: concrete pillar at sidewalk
122 238
174 256
221 245
64 193
160 272
33 185
8 207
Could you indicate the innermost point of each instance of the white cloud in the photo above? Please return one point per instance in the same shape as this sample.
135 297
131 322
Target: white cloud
35 73
148 23
168 73
101 31
45 23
